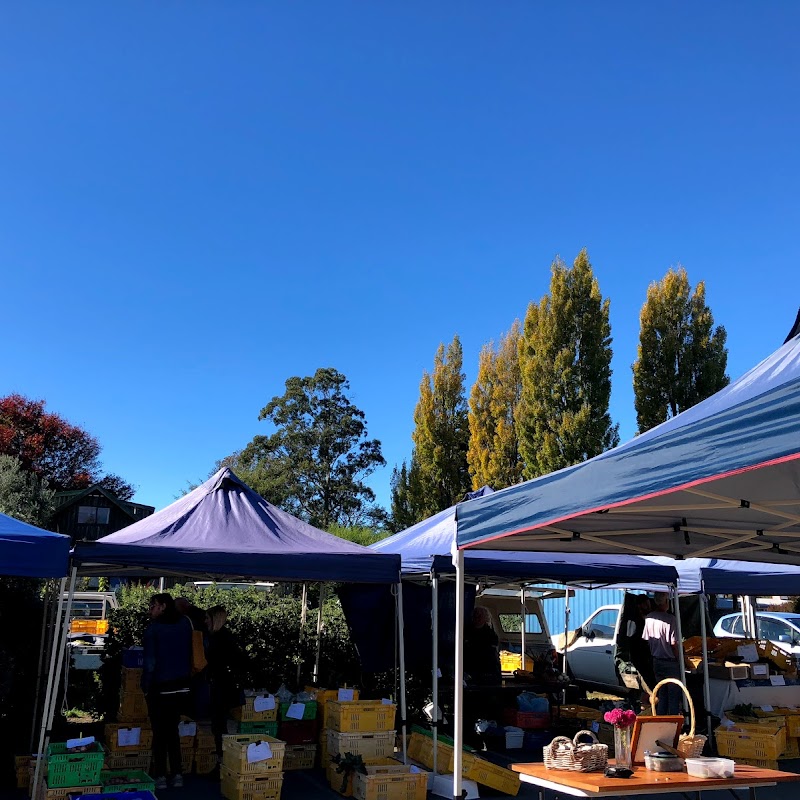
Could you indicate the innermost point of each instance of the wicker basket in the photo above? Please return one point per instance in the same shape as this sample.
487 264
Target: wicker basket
690 745
563 753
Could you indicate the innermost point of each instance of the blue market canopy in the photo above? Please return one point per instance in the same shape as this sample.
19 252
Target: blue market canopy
428 545
225 529
30 552
722 479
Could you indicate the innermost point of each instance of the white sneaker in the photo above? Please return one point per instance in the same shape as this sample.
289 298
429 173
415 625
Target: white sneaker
161 783
177 781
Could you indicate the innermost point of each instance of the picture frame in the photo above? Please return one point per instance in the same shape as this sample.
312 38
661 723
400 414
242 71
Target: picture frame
647 730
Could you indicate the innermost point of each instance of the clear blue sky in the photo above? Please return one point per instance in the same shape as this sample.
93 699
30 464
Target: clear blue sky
199 200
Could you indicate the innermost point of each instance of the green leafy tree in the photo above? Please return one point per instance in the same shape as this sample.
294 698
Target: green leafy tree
441 433
565 358
22 494
682 357
315 462
493 456
407 499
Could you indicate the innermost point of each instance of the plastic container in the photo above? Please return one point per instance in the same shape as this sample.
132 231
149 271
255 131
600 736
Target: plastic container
710 767
662 762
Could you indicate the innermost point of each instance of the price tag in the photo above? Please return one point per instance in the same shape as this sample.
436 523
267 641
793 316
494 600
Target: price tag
187 729
387 701
258 751
767 708
264 702
747 652
777 680
296 711
595 726
83 742
345 695
129 737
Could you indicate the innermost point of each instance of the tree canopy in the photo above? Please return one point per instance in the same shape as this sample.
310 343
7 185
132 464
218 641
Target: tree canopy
565 359
682 357
22 494
315 462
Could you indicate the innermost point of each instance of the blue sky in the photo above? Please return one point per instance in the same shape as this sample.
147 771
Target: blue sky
199 200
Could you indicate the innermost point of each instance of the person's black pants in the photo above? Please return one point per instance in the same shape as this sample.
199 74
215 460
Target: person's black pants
165 714
219 716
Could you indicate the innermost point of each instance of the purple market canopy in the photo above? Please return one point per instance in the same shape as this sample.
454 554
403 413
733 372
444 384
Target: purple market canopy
225 529
720 480
30 552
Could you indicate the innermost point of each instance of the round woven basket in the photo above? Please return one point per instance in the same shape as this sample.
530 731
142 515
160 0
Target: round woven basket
690 745
569 754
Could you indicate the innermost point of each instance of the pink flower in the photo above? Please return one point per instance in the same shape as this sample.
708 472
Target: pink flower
620 718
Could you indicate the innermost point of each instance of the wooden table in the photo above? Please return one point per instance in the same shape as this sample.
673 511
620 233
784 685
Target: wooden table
644 781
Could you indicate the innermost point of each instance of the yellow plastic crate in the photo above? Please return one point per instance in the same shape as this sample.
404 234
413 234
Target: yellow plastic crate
97 627
793 724
205 738
137 761
132 706
299 756
763 742
367 745
205 762
391 783
488 774
580 712
763 763
792 748
250 787
513 661
248 713
420 748
324 696
234 755
112 737
131 679
360 716
335 778
65 792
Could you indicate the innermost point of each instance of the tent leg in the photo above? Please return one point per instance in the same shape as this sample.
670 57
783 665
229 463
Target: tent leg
522 629
706 683
54 675
458 680
303 615
402 646
679 637
319 633
566 638
44 653
435 668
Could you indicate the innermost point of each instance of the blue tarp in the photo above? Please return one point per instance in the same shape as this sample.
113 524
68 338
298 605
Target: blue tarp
429 544
30 552
225 529
718 480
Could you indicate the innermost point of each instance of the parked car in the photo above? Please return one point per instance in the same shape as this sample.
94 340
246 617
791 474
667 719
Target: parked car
782 629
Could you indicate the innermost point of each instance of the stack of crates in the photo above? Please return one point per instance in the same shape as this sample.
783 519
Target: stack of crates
324 696
70 772
187 732
22 766
263 721
294 731
128 756
361 727
131 780
391 782
205 750
243 779
757 745
132 703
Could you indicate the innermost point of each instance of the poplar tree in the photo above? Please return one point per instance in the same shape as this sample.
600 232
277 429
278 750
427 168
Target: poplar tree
565 361
407 502
493 456
441 433
682 357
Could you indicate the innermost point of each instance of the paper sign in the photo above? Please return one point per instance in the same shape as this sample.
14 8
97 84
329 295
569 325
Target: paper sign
129 737
747 652
438 673
767 708
595 726
777 680
296 711
264 702
258 751
345 695
187 729
387 701
86 740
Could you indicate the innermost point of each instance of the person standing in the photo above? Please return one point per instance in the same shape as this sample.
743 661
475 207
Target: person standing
166 683
659 633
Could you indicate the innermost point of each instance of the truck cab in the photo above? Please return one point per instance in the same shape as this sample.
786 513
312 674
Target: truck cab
591 652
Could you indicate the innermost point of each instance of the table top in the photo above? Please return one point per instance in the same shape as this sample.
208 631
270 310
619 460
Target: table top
644 781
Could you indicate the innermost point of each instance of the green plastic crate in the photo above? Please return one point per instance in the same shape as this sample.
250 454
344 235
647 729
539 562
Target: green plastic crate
310 711
129 780
267 728
65 769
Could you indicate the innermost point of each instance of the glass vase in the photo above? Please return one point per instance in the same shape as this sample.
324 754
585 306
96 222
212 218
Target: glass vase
622 747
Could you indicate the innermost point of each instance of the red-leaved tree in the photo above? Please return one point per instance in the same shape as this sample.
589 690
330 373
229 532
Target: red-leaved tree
67 456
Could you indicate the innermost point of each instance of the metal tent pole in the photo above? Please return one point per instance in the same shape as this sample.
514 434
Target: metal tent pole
322 587
303 615
522 632
402 645
566 639
458 688
679 637
435 668
706 682
44 653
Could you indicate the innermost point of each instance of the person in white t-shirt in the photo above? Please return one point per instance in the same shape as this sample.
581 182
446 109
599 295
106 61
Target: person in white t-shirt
659 633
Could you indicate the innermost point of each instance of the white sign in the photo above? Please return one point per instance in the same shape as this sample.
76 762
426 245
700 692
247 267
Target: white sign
86 740
187 729
296 711
387 701
345 695
129 737
264 702
748 653
767 708
777 680
258 751
438 673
